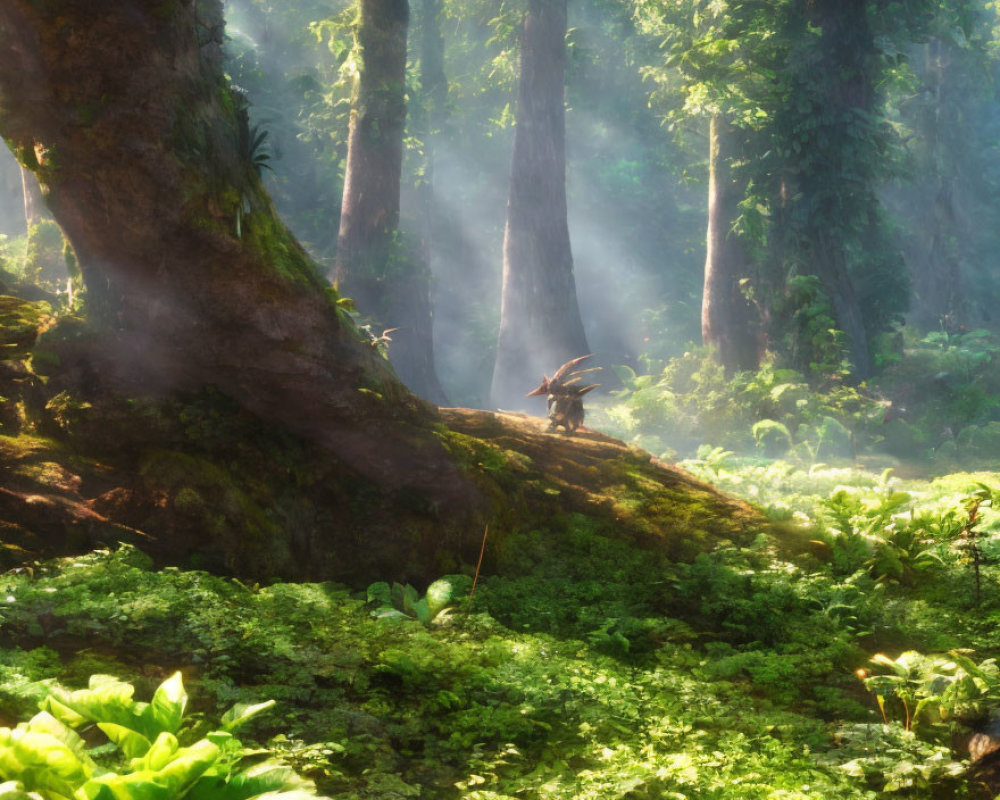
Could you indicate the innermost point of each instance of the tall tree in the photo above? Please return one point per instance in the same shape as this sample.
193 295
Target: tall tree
728 323
948 203
149 169
540 323
833 179
382 271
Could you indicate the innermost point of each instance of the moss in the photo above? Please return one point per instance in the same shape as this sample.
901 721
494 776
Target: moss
20 322
264 232
202 496
15 449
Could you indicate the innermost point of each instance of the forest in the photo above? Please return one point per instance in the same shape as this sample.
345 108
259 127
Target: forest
499 399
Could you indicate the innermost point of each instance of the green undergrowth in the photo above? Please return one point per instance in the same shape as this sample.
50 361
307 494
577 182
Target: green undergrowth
934 401
583 669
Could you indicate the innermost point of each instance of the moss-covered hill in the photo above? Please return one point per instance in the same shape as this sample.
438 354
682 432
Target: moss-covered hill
197 481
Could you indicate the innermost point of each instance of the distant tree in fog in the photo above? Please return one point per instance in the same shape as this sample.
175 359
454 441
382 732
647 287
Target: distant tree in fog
540 324
729 323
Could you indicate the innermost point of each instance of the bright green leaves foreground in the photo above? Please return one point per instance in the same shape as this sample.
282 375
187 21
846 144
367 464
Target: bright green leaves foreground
588 669
47 758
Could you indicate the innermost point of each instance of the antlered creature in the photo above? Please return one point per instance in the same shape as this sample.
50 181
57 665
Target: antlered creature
565 396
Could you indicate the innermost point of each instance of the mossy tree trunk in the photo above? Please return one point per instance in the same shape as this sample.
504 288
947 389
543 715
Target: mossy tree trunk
832 194
728 323
123 113
540 323
387 276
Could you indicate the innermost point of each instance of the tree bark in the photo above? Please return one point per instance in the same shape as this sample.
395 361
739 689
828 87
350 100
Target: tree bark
846 48
123 113
540 323
728 323
388 278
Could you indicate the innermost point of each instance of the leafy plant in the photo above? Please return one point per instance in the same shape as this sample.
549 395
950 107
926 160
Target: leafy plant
875 536
46 758
404 602
934 691
917 681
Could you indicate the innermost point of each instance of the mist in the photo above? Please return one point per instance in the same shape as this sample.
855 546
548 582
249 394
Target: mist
621 235
637 190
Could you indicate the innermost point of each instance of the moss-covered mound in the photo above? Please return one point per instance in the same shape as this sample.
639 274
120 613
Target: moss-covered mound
196 480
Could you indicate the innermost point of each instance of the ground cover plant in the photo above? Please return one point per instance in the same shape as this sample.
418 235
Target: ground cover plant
589 669
933 406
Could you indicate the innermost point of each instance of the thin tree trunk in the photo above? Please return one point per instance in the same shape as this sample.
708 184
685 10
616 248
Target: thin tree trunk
938 285
386 276
148 172
728 323
540 324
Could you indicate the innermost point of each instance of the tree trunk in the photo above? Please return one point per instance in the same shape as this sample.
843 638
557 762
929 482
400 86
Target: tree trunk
932 251
846 48
387 278
540 324
728 323
122 112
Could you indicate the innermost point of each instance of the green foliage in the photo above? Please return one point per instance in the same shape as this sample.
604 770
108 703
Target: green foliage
897 760
875 536
586 668
44 263
773 410
47 756
398 601
772 437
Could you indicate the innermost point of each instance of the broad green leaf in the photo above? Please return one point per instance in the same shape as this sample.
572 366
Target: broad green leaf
14 790
381 593
43 722
40 761
136 786
187 766
243 712
446 591
160 754
885 661
270 779
390 613
410 598
422 611
397 596
438 594
107 700
168 704
132 744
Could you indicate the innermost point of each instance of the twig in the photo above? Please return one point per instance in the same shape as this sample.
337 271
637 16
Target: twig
479 563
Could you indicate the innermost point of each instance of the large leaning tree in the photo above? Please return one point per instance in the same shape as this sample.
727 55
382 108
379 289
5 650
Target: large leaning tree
122 112
216 406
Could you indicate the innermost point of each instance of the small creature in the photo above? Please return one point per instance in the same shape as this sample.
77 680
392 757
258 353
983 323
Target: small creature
565 397
380 343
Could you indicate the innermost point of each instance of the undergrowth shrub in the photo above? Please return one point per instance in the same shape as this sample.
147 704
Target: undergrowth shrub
774 411
149 752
